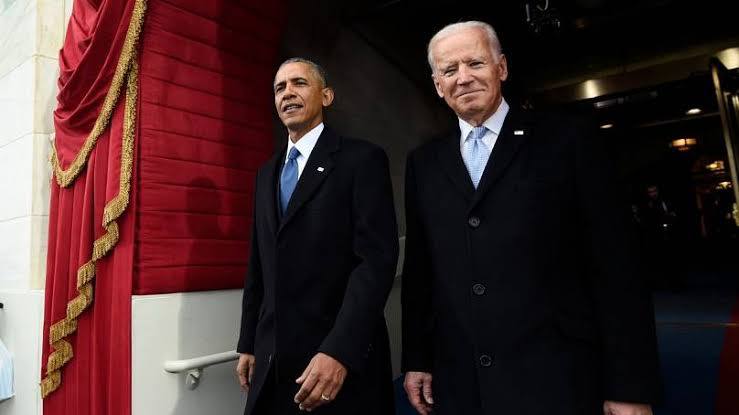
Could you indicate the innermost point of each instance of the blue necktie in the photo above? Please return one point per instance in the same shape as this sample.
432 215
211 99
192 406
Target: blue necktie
475 154
288 179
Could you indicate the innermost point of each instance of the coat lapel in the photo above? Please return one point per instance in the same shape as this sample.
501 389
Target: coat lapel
450 160
271 175
514 133
319 165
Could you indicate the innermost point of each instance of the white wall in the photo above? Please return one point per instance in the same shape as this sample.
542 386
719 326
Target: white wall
31 33
20 330
183 326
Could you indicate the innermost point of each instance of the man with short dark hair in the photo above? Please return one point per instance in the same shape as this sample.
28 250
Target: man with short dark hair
520 292
323 255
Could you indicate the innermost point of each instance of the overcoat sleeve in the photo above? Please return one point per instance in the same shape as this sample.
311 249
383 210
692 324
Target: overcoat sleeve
416 294
375 245
253 288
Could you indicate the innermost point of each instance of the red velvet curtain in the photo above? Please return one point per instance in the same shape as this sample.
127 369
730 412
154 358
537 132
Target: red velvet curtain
206 125
86 355
727 398
158 136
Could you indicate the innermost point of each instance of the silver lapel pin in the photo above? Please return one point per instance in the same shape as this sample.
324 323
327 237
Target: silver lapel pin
320 169
518 132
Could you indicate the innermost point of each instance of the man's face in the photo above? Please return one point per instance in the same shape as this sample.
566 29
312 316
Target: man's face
467 75
300 97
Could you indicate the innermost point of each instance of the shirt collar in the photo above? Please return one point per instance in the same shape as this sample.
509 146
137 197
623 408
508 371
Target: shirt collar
494 123
306 143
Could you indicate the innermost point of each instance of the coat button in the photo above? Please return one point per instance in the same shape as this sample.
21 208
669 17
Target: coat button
478 289
473 221
486 361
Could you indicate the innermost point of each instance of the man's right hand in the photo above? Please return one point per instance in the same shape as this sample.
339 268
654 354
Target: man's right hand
418 387
245 370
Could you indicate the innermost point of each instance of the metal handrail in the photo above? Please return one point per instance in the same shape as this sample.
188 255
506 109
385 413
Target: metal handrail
200 362
195 366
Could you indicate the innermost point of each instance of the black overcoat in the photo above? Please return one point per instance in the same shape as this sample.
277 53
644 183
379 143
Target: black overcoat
523 296
319 276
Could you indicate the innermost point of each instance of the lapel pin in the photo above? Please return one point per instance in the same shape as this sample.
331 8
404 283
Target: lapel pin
518 132
320 169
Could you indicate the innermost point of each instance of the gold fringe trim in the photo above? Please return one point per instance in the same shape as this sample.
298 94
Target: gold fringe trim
102 246
128 53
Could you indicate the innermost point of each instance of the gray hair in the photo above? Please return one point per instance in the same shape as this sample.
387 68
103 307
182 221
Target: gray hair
460 26
316 68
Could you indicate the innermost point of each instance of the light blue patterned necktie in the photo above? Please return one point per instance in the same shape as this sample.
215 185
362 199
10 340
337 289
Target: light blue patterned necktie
288 179
475 154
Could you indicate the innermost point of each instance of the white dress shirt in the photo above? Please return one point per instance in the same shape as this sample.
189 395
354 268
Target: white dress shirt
493 124
305 146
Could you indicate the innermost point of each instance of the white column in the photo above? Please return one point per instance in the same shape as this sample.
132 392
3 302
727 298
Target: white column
31 33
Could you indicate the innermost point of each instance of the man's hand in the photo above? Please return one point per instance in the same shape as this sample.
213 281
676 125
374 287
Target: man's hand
625 408
418 387
245 370
320 382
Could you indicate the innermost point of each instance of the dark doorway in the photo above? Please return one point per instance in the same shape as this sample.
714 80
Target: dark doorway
668 143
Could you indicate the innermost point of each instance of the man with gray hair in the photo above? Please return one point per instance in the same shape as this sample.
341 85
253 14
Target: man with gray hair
323 255
520 291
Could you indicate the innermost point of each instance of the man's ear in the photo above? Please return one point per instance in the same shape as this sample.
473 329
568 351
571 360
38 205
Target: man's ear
502 67
327 96
437 85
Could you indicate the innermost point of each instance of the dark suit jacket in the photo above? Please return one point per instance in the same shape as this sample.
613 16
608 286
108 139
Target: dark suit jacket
523 296
319 277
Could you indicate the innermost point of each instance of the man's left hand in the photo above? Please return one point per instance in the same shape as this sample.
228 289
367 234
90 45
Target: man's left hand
320 382
625 408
